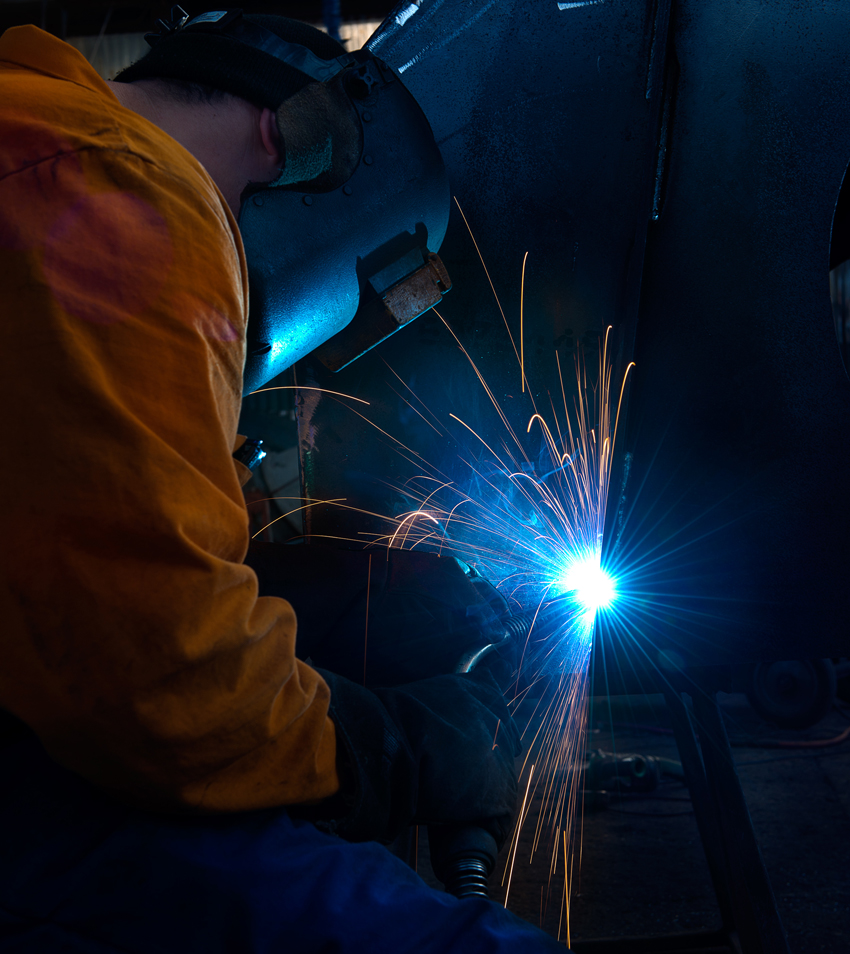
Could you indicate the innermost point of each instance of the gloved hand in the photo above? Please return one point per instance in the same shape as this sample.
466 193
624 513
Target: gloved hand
436 751
426 612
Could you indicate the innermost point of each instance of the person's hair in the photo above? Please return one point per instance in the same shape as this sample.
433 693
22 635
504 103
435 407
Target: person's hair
189 93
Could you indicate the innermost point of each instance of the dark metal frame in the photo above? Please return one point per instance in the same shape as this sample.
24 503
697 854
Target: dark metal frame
747 906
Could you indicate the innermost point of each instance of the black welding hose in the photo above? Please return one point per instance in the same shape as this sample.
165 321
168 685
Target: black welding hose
516 630
467 878
464 856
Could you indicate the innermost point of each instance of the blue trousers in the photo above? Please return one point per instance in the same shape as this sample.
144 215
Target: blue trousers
83 874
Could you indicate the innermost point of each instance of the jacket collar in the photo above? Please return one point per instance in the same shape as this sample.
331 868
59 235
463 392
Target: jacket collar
33 49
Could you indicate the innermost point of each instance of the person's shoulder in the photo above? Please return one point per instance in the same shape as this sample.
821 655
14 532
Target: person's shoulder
32 52
53 103
55 124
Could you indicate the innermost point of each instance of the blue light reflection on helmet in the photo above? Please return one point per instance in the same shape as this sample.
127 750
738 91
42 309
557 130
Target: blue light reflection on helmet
319 260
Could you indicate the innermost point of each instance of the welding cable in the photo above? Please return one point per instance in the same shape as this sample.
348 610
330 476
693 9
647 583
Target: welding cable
652 797
799 743
654 729
625 811
806 755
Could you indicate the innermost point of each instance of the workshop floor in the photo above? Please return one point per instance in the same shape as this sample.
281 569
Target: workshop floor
643 872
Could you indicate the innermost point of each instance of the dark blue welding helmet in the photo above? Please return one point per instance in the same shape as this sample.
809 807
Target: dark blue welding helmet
337 269
339 261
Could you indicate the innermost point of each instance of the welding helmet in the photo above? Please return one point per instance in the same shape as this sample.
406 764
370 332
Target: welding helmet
339 263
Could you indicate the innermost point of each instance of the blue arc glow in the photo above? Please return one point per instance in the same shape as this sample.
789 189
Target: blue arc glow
591 586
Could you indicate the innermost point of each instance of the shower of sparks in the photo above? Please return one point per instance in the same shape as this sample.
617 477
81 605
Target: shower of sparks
529 516
533 524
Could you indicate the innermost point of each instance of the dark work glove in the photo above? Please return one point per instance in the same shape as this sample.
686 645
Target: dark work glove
426 612
436 751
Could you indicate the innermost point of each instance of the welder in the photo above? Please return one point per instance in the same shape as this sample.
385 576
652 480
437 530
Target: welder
174 777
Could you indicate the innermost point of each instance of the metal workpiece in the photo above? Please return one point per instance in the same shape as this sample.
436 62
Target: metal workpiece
672 170
740 406
547 122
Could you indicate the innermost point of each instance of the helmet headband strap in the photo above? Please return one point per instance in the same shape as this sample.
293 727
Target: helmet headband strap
231 24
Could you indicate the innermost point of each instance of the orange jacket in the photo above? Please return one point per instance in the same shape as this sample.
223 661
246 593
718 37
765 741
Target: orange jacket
132 639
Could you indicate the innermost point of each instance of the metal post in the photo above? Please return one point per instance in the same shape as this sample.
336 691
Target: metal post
753 903
704 809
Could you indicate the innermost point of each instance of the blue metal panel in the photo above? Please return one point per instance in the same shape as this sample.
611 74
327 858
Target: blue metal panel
569 130
740 422
546 118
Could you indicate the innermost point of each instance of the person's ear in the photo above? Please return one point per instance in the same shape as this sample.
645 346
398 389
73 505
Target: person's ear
270 135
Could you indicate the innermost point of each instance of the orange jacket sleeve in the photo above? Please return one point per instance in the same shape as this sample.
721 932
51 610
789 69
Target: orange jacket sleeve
133 641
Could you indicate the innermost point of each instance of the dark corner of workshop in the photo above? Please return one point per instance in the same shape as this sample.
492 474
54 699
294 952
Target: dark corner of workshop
524 326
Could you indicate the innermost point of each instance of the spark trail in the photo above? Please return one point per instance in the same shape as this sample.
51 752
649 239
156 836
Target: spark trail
532 522
529 515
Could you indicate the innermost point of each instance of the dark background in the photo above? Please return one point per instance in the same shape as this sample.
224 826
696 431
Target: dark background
87 17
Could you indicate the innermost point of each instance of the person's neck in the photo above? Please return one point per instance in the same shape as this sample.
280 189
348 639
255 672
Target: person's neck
214 133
